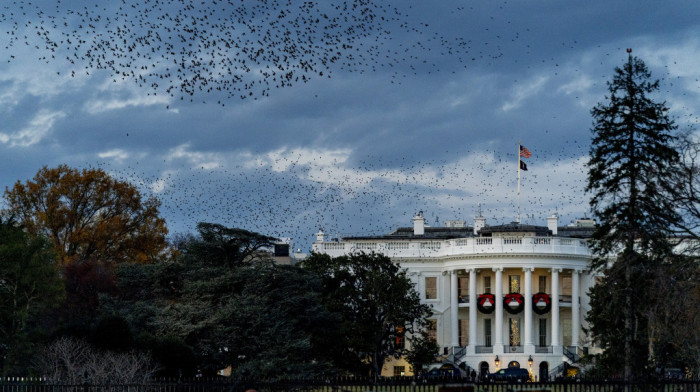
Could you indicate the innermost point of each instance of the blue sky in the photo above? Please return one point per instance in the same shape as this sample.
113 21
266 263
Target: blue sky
426 115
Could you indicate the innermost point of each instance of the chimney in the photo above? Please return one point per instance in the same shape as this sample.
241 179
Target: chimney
479 223
552 223
319 235
419 224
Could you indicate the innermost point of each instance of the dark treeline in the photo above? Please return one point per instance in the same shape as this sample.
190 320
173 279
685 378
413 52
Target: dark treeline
82 304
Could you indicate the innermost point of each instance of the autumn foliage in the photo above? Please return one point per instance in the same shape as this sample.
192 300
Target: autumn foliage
88 215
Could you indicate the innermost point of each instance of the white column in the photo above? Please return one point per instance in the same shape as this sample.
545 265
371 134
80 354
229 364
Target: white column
454 309
472 311
555 307
575 307
527 341
498 338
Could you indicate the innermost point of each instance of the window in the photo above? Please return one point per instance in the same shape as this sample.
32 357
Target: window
463 332
514 283
543 284
487 332
566 331
566 285
463 288
400 340
487 284
399 371
543 332
514 326
432 330
431 287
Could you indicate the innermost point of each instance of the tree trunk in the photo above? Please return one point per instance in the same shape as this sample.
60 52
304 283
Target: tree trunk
628 325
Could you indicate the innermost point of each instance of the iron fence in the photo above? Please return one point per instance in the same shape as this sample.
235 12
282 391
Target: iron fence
353 385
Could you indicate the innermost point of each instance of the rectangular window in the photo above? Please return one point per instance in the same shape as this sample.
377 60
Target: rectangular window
566 285
463 289
566 331
514 283
400 341
543 284
487 284
432 330
487 332
543 332
514 332
399 371
463 332
431 287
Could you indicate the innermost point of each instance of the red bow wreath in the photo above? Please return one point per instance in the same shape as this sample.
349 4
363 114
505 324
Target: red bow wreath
541 303
514 303
486 303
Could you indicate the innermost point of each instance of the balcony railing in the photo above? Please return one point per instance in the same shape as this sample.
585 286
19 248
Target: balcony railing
483 349
514 349
456 247
565 299
543 349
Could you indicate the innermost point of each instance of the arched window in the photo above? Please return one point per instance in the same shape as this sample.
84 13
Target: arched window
483 369
513 364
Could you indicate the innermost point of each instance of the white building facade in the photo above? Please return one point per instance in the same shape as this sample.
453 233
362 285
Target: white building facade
507 295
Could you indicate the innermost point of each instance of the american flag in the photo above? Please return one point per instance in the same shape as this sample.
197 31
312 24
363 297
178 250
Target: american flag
524 152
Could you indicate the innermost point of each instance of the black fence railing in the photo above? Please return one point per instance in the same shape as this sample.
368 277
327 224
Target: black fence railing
355 385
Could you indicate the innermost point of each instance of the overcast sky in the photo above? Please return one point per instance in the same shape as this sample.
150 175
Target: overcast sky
427 116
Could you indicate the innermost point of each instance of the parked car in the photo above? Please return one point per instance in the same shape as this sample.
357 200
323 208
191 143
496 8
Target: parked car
674 374
442 374
510 375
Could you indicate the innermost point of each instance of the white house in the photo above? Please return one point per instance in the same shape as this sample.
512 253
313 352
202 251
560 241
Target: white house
505 295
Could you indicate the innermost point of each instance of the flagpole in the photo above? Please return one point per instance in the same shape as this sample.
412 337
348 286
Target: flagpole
518 181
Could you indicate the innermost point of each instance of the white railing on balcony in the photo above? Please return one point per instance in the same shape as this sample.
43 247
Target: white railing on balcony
398 245
480 241
456 247
366 246
326 246
431 245
512 240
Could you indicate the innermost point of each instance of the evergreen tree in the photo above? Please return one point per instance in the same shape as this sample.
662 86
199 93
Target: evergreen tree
223 303
632 175
30 288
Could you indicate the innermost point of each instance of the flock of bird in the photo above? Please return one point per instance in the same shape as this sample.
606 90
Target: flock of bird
350 199
224 48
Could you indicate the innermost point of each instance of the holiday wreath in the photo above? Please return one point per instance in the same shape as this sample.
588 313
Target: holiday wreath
486 303
514 303
541 303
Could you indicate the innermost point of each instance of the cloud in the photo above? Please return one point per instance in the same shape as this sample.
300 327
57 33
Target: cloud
116 154
95 107
201 160
162 183
522 92
34 132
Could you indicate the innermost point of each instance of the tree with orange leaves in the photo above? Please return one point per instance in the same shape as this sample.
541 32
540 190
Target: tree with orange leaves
88 215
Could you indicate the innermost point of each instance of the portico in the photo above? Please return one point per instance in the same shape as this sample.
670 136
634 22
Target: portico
527 324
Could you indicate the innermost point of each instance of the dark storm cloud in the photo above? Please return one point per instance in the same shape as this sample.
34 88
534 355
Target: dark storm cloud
426 117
